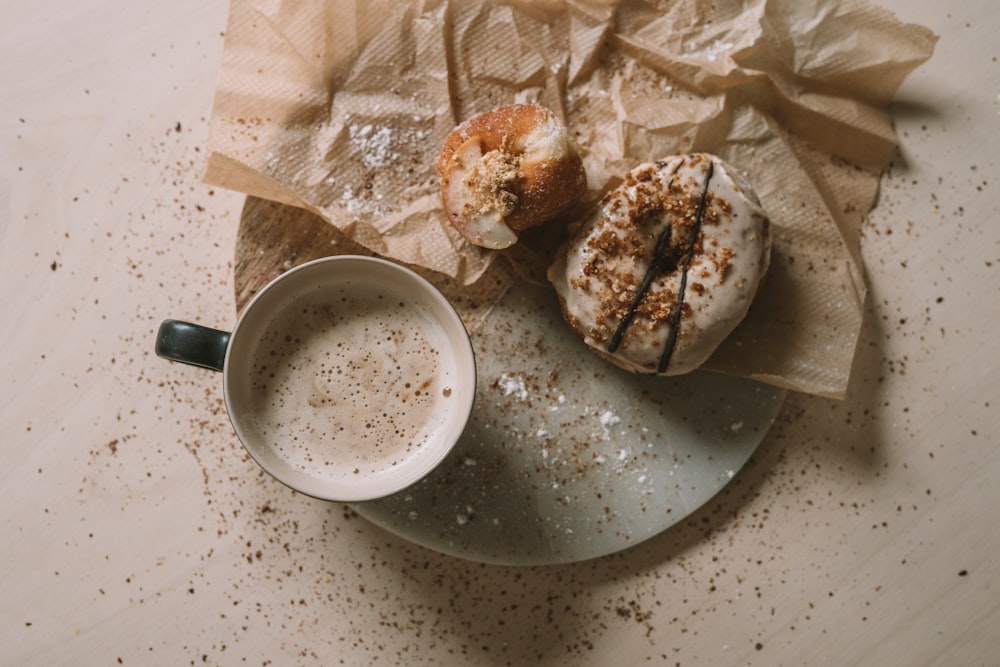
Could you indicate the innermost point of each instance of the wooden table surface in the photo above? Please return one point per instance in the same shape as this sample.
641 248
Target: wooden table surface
137 532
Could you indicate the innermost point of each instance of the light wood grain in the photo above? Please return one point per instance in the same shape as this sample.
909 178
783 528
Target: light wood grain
136 531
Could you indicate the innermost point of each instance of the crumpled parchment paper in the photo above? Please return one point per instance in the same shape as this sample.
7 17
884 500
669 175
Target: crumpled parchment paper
341 106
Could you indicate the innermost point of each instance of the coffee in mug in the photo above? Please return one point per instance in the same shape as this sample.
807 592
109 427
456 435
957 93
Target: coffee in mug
347 378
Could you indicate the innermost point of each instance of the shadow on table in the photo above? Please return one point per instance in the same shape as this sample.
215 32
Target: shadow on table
525 615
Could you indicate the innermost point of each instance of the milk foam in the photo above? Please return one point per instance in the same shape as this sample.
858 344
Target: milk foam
351 380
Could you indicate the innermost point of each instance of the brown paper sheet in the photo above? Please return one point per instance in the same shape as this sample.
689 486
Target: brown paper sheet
340 107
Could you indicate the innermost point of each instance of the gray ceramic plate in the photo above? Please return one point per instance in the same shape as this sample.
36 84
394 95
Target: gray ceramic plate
568 458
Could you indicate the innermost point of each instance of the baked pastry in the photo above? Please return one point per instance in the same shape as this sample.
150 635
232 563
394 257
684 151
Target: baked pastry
506 170
666 266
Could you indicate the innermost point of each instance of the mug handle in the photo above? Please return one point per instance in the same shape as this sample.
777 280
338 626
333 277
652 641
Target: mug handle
192 344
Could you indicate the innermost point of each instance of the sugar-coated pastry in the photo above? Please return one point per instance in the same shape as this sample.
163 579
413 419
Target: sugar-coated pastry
666 266
506 170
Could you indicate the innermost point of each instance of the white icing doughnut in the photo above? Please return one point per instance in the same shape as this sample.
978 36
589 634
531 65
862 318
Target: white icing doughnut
666 266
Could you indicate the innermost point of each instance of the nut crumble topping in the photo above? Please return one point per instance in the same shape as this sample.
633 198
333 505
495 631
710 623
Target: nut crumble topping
494 183
666 256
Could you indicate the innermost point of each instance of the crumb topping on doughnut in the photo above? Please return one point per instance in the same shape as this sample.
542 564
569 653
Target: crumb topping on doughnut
666 266
494 183
507 170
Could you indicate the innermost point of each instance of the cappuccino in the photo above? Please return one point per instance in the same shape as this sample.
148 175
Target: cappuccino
351 379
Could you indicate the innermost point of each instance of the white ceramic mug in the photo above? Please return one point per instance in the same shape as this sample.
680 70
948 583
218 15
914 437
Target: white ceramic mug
346 378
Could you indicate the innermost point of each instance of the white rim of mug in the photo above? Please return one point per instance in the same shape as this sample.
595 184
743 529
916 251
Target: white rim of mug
323 490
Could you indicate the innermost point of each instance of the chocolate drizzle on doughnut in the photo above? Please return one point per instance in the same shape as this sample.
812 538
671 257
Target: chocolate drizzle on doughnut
675 318
665 260
662 262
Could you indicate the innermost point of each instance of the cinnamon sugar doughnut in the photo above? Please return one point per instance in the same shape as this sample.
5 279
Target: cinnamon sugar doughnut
506 170
666 266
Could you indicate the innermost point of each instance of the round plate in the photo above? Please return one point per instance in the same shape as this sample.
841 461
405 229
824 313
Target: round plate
566 457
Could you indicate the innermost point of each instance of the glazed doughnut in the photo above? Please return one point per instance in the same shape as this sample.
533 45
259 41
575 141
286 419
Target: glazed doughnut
666 266
506 170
